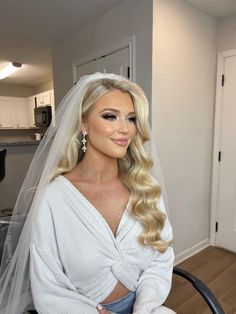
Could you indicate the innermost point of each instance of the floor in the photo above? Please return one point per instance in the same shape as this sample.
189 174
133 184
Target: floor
215 267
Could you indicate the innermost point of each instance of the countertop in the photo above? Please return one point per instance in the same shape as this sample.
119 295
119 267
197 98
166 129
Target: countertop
19 143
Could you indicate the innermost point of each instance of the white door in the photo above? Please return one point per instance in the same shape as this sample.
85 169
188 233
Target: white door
87 68
226 234
117 63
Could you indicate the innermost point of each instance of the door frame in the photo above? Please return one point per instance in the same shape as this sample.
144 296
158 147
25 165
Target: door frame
217 143
125 43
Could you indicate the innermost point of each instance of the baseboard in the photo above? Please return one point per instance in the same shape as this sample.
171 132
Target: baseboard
191 251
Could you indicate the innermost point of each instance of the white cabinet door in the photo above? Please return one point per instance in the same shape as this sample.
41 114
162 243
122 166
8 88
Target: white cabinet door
6 113
43 99
30 105
20 112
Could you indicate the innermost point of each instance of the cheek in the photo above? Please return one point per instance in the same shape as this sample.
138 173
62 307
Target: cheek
133 131
101 130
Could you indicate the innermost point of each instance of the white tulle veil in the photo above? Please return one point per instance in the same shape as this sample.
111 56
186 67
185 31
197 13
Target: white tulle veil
15 294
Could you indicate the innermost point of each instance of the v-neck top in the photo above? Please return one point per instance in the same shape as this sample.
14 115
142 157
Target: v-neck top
76 261
123 217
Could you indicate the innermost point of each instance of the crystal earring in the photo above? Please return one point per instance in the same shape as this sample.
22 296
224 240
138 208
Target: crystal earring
84 133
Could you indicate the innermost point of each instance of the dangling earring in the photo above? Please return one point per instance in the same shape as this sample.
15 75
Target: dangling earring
84 133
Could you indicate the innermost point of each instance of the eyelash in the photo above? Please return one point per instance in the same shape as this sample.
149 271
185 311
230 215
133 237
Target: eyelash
112 117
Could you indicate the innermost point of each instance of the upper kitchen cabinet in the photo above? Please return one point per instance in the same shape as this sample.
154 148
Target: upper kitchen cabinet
30 105
7 117
44 99
19 112
13 113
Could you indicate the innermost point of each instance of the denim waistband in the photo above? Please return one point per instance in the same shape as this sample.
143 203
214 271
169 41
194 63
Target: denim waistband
123 305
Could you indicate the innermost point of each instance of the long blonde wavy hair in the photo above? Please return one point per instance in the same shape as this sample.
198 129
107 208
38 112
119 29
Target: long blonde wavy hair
133 168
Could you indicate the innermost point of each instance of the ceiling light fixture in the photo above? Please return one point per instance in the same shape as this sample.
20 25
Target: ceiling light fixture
9 69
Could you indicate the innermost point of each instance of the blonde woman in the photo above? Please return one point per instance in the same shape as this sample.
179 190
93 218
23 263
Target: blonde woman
100 240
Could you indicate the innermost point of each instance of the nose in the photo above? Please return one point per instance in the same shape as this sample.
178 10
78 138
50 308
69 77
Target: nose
123 126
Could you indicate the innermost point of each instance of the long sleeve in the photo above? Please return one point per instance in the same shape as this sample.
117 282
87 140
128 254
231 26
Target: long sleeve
155 282
52 290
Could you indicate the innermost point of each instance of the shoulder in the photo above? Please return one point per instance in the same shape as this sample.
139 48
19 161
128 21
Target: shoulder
52 192
47 197
44 207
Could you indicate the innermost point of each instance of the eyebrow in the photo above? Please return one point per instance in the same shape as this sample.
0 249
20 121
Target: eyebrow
115 110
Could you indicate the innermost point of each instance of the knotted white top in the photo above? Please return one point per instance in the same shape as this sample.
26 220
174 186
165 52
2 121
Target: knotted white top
76 261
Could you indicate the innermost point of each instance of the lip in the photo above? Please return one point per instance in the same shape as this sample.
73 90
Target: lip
121 141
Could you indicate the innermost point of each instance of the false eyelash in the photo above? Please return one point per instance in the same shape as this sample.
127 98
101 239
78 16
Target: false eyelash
132 119
109 116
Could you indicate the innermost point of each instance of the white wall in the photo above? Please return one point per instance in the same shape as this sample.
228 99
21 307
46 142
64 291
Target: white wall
184 60
43 87
226 33
23 91
132 17
15 90
182 66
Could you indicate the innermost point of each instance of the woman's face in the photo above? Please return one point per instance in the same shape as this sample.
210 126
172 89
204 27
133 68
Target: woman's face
111 125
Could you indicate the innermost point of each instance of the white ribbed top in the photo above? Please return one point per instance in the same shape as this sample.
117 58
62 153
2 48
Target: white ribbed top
76 261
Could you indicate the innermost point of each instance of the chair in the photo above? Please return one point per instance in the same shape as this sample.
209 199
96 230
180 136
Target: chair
2 163
205 292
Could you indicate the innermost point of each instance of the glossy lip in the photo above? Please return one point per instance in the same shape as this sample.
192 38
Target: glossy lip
121 141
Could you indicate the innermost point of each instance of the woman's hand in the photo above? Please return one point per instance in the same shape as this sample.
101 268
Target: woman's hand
102 310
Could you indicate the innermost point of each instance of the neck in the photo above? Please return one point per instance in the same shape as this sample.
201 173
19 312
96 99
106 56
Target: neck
98 169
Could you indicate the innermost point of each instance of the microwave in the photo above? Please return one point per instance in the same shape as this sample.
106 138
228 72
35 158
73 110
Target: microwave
43 116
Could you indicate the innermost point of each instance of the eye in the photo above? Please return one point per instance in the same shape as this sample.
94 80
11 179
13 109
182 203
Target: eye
132 119
109 116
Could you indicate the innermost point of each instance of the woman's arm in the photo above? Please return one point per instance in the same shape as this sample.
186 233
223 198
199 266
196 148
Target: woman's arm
52 290
155 282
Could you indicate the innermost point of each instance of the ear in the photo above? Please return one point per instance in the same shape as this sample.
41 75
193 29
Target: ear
83 127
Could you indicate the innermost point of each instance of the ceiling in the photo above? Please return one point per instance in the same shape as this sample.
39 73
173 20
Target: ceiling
28 28
217 8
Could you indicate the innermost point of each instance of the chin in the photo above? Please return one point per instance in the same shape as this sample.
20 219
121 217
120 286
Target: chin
118 155
121 155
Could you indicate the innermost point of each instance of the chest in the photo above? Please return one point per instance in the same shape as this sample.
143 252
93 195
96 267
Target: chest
110 203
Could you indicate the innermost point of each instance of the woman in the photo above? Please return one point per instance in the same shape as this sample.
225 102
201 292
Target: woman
100 240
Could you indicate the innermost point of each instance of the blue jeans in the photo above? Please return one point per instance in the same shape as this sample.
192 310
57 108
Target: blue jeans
121 306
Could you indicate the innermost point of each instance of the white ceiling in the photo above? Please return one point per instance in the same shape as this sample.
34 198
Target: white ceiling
217 8
28 28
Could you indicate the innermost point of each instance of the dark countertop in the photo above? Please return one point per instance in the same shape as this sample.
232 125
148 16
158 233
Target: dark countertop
5 214
19 143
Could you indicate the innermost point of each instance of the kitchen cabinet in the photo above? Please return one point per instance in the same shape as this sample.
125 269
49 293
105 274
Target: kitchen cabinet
44 99
6 113
19 112
30 105
13 113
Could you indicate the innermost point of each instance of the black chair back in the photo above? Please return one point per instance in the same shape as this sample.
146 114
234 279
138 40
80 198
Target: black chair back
2 163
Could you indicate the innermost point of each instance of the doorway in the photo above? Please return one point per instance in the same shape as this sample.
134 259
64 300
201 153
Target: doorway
223 201
119 59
